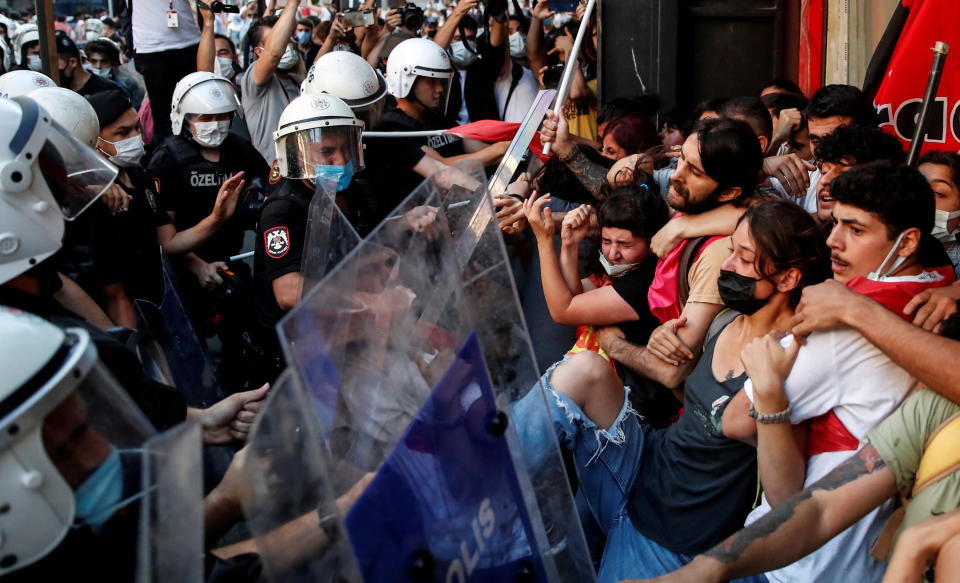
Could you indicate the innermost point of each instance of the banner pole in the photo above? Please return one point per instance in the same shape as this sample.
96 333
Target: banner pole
571 66
940 51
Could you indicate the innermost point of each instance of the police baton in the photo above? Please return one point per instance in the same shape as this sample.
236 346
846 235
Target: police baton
940 51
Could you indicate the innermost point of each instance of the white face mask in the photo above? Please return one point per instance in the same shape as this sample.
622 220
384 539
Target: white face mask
210 133
129 151
100 72
879 274
461 56
518 45
34 63
225 66
289 58
616 270
940 229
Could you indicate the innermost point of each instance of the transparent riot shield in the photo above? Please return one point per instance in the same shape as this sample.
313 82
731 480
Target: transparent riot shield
85 475
414 352
521 140
185 358
171 540
291 510
330 236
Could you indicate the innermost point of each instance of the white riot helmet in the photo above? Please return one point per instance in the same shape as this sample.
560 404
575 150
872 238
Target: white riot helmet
75 449
25 34
202 93
46 175
317 133
417 57
71 110
17 83
346 76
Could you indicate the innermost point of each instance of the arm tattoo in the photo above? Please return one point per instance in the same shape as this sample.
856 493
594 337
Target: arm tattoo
590 174
867 461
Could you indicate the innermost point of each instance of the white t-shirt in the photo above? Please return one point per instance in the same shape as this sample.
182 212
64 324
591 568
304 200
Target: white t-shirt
810 199
840 371
521 99
150 31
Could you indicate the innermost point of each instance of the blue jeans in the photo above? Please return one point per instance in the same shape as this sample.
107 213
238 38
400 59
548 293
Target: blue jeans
607 461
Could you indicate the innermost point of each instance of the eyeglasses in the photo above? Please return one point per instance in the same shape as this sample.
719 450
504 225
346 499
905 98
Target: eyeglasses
829 165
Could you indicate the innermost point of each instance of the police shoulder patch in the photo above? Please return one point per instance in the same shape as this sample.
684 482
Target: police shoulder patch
276 242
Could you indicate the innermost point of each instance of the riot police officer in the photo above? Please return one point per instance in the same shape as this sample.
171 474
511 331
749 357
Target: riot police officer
317 141
193 164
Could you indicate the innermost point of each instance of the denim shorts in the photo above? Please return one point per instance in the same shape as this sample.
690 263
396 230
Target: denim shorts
607 461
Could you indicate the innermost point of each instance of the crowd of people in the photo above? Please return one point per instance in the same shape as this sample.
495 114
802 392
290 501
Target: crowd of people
742 314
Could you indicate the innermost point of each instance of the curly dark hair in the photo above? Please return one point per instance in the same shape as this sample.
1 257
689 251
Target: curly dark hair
859 145
635 208
105 48
898 195
787 236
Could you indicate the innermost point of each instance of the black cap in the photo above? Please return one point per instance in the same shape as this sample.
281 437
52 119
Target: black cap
65 45
109 105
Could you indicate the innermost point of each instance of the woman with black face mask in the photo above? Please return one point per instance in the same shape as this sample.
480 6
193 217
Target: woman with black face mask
664 495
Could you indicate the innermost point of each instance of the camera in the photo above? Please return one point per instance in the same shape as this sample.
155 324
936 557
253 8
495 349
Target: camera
411 17
217 6
552 76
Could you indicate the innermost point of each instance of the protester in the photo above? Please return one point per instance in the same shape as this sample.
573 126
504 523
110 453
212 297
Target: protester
104 58
942 171
73 75
270 83
662 495
839 382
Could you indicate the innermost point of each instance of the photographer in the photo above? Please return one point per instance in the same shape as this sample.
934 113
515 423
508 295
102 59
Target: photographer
399 24
477 61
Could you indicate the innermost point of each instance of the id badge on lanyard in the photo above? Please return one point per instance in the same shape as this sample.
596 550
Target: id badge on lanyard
173 21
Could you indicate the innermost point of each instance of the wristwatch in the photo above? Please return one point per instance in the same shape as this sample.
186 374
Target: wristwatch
328 524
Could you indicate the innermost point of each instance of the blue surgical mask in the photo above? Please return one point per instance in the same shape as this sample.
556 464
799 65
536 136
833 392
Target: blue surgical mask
343 173
303 37
98 496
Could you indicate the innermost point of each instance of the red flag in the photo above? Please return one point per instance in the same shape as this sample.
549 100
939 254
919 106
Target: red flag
491 130
901 92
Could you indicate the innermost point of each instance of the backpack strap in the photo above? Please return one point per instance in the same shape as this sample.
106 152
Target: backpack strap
689 254
940 458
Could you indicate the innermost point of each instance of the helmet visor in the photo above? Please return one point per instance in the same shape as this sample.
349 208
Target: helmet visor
75 174
302 153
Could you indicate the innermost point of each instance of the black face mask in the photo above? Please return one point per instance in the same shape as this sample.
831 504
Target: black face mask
736 291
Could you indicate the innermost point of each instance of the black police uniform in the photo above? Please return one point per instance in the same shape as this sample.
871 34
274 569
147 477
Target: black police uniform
390 161
190 185
281 236
164 406
101 248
